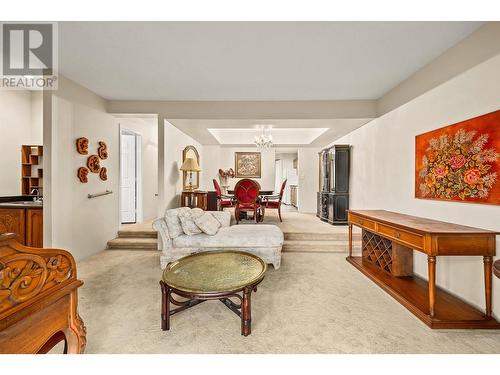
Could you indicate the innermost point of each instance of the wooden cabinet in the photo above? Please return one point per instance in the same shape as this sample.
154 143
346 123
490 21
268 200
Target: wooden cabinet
34 227
194 199
12 220
333 195
25 223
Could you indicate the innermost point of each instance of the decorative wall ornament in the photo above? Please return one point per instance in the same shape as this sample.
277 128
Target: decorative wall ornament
103 173
102 151
460 162
93 161
93 164
82 145
247 164
82 175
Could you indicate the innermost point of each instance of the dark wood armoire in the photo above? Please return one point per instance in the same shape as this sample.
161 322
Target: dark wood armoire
333 194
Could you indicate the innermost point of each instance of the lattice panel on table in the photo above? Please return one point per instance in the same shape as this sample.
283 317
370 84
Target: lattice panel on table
377 250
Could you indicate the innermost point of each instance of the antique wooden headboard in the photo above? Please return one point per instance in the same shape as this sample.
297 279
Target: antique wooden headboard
38 299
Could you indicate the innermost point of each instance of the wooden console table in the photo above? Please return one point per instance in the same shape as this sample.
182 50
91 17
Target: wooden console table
38 300
389 239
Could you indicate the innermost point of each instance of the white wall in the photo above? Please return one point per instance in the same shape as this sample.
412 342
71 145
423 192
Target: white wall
382 170
216 157
147 128
71 220
20 123
308 179
175 142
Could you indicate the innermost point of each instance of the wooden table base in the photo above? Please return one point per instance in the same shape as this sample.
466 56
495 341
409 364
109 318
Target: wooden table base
411 291
243 309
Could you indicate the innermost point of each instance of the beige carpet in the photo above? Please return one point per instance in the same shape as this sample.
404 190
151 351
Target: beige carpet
315 303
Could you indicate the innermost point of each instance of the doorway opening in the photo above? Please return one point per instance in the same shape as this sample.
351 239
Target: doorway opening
130 176
286 168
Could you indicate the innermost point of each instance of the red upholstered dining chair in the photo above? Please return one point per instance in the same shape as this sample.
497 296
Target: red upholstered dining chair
274 201
223 201
246 193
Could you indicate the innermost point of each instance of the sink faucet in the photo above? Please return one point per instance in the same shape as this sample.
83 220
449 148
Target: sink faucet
38 198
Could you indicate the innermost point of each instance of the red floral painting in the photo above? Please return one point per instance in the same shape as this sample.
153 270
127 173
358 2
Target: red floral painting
460 162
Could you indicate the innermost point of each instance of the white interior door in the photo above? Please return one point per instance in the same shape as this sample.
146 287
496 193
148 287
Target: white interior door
128 178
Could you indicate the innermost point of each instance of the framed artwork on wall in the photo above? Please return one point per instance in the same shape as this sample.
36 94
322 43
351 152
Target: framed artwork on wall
460 162
247 164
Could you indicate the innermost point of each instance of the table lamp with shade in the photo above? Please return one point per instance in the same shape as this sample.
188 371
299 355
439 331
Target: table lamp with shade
190 165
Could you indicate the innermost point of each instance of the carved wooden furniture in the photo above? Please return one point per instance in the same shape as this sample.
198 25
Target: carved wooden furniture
213 275
333 195
223 201
190 152
194 199
387 256
38 299
246 194
274 201
31 169
24 220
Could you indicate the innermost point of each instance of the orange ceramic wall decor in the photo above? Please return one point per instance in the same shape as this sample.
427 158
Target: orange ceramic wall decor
93 164
82 145
103 174
102 151
460 162
82 175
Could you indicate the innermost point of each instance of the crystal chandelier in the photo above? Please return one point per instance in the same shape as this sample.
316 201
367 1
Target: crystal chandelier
264 140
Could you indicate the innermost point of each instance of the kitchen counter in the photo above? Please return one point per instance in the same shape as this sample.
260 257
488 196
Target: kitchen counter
21 204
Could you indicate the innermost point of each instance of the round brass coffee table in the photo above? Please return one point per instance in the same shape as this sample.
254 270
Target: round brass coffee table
212 275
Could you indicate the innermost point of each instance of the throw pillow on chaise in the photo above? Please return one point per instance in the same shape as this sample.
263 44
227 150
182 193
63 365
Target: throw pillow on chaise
173 222
187 221
208 223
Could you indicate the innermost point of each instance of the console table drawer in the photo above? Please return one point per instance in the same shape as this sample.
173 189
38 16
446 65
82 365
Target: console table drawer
368 224
411 239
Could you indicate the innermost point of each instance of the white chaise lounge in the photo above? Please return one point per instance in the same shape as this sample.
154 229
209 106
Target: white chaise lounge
263 240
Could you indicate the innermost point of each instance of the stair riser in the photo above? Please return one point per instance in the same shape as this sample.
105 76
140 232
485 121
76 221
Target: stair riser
319 237
131 247
122 234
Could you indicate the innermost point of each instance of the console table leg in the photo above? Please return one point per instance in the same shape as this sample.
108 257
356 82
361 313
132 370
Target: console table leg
350 240
488 269
165 306
246 314
431 265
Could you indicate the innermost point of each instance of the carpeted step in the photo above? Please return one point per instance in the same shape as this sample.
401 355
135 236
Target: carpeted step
318 246
125 233
133 243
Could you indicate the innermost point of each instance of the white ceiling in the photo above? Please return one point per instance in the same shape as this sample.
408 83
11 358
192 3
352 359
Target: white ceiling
280 136
285 132
250 60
